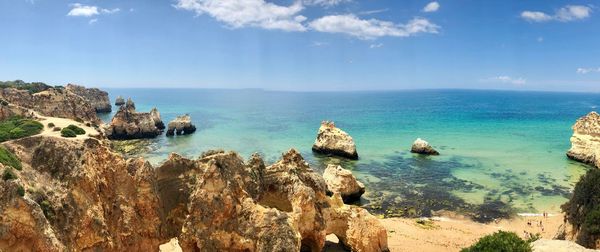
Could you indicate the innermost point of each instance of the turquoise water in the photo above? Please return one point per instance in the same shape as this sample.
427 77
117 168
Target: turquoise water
501 151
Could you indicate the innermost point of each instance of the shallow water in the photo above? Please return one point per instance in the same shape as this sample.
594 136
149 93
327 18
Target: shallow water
501 151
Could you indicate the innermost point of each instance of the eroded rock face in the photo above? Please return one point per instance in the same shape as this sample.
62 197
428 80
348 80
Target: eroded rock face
182 125
78 196
130 124
585 142
340 180
96 97
334 141
421 146
119 101
52 102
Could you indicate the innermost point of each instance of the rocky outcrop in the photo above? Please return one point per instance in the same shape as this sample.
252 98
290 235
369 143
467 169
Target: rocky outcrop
225 204
96 97
130 124
52 102
119 101
585 142
340 180
78 196
182 125
334 141
545 245
421 146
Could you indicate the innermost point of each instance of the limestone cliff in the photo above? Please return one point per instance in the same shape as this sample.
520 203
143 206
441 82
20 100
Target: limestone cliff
52 102
585 142
96 97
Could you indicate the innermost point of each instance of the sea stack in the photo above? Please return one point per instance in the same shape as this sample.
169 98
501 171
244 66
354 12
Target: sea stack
340 180
421 146
182 125
119 101
96 97
334 141
585 142
129 124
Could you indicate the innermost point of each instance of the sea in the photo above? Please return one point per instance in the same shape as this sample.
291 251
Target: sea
502 152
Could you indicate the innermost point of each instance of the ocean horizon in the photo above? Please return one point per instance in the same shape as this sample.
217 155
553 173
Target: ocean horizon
502 152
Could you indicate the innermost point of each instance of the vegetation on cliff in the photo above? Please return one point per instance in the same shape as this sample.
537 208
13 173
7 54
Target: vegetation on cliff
32 87
500 241
72 131
583 209
17 127
9 159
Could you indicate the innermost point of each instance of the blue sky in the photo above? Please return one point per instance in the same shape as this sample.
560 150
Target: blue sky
304 44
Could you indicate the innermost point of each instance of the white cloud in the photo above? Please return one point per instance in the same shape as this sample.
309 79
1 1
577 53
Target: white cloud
564 14
254 13
588 70
93 21
370 12
373 46
507 79
431 7
371 28
326 3
80 10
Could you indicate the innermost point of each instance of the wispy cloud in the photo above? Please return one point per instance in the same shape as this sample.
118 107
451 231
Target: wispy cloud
588 70
373 46
371 28
371 12
80 10
506 79
319 43
93 21
253 13
326 3
431 7
565 14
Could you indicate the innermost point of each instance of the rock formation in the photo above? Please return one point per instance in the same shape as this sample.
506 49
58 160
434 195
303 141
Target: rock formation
585 142
52 102
82 196
546 245
78 196
129 124
340 180
421 146
334 141
182 125
119 101
96 97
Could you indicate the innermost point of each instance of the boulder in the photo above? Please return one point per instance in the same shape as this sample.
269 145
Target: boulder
182 125
120 101
130 124
96 97
585 142
340 180
334 141
421 146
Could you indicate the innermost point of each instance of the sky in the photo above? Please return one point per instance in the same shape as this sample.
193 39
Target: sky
304 45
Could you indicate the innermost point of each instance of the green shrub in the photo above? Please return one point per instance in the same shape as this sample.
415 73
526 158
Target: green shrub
51 125
79 120
583 209
500 242
17 127
33 87
77 130
47 209
21 191
9 174
4 136
9 159
16 133
66 132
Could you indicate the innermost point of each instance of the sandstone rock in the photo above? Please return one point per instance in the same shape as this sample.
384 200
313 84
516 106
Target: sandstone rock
52 102
545 245
119 101
129 124
96 97
334 141
420 146
585 142
79 196
182 125
340 180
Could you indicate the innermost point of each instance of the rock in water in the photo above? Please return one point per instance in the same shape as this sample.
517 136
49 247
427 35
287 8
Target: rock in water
119 101
96 97
421 146
585 142
129 124
334 141
182 125
340 180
